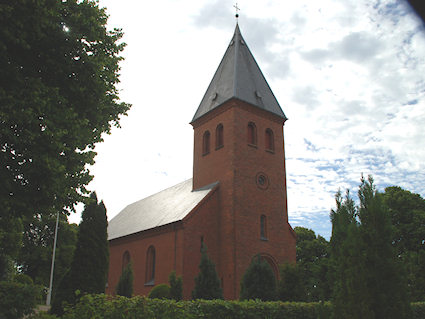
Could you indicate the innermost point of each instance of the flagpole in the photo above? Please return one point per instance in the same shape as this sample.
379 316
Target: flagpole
49 293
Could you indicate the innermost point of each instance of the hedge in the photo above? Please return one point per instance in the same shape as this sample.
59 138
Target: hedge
109 307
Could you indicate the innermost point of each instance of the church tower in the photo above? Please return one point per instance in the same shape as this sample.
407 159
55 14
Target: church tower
239 144
235 204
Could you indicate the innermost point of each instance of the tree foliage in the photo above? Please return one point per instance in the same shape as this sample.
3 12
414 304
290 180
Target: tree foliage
207 283
35 256
58 95
385 276
313 260
89 267
259 281
125 283
10 239
407 213
291 286
18 299
176 286
368 277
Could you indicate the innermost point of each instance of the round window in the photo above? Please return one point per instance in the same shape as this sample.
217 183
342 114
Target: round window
262 180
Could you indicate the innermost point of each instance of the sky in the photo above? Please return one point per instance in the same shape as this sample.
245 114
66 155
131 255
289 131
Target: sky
349 75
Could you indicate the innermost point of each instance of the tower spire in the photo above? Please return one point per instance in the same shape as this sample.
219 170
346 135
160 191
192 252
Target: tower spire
238 76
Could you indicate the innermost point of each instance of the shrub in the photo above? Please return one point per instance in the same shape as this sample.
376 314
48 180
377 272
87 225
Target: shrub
42 315
125 284
258 281
17 299
418 310
161 291
108 307
207 283
176 286
23 279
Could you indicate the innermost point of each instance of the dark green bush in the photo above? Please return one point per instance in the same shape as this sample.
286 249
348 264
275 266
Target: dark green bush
108 307
258 282
125 283
176 286
17 299
114 307
418 310
161 291
42 315
23 279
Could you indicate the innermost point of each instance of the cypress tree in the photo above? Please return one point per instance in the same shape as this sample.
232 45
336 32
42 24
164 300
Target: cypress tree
258 282
207 283
385 277
350 295
125 283
369 281
176 286
89 268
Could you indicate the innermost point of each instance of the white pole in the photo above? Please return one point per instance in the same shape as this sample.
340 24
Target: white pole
49 293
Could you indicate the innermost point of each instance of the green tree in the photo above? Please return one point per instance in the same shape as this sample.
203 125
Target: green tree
176 286
291 286
35 256
58 95
10 239
351 298
125 283
384 277
259 281
369 280
89 267
207 283
313 264
407 213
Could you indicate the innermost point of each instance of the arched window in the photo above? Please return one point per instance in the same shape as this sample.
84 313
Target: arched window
125 259
263 227
219 138
252 134
269 140
206 143
150 266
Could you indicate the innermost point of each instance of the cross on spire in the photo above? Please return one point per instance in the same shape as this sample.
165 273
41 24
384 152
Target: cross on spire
237 10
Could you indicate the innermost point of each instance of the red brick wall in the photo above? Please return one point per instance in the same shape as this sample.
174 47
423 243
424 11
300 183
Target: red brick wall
241 201
204 222
168 243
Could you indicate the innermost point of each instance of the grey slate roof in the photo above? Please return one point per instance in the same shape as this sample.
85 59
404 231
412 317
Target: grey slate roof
165 207
238 76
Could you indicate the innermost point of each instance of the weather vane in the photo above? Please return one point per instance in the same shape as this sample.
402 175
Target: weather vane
237 10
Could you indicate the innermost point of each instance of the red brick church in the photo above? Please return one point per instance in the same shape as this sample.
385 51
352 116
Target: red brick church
236 202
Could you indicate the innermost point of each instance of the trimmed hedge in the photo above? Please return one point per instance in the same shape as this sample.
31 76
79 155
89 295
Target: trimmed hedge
114 307
108 307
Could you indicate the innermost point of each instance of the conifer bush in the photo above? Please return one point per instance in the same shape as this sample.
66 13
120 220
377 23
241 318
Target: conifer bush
125 283
176 286
207 283
89 267
258 282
